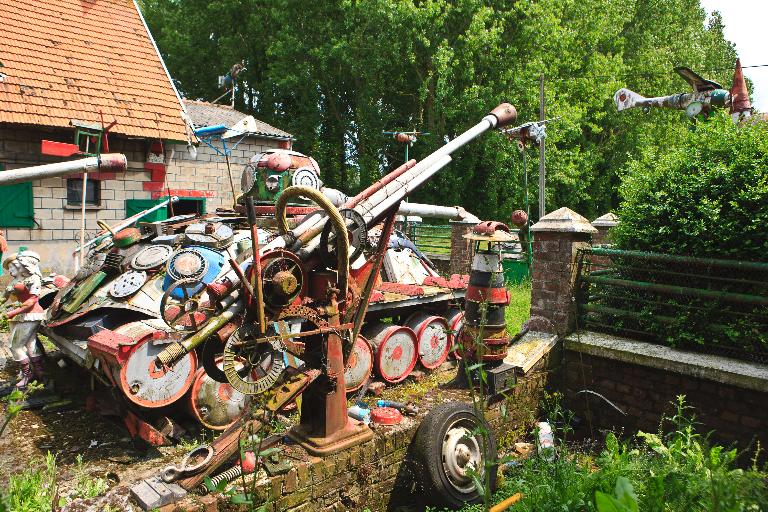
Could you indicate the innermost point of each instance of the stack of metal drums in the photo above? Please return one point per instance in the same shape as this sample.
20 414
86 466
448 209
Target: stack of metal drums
484 336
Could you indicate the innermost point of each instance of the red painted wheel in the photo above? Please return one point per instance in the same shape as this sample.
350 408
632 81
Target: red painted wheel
432 338
359 365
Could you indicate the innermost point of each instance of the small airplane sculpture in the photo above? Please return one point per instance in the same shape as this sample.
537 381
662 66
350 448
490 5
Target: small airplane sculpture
706 95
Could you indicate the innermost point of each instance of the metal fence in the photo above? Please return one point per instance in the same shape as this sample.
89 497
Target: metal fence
713 305
434 240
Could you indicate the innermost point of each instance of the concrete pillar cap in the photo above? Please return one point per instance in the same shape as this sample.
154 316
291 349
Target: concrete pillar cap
563 220
606 221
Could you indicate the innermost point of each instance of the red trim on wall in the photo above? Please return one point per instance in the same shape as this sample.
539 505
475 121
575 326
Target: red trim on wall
181 192
94 176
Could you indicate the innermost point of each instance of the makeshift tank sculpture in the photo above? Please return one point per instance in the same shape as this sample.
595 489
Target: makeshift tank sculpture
179 312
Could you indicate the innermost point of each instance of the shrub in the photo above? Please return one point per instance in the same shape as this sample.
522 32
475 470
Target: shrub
706 194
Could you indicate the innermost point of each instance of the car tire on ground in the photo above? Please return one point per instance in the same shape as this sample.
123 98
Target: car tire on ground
447 443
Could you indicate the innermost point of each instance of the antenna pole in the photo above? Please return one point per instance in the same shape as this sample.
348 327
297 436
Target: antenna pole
542 169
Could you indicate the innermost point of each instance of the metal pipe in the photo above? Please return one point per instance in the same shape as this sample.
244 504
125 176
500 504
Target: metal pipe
127 222
108 162
688 260
437 212
175 351
668 289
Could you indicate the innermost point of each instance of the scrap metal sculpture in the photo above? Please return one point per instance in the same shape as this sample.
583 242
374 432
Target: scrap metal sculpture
706 96
289 301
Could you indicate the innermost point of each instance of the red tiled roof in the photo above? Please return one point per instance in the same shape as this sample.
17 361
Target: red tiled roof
65 60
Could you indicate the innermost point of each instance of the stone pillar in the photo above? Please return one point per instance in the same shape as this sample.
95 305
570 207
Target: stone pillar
556 239
603 224
461 248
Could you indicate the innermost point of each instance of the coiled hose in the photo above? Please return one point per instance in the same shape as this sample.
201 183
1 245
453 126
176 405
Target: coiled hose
337 222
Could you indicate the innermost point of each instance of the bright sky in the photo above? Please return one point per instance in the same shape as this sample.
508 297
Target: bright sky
746 25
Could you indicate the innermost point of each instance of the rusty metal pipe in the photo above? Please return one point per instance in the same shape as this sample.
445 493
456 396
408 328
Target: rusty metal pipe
108 162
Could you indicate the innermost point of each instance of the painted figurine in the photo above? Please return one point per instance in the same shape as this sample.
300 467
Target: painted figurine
25 314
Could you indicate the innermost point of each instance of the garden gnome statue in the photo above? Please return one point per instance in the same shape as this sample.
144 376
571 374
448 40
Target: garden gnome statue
25 314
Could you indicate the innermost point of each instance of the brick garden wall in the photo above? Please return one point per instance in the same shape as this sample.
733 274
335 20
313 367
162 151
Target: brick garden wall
381 474
737 415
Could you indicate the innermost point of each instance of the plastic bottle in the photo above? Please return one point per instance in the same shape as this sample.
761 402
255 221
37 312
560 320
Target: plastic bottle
545 444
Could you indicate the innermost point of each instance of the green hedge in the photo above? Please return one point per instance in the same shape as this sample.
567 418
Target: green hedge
706 194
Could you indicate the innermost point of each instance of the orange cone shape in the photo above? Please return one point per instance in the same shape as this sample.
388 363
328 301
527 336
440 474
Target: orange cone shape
739 94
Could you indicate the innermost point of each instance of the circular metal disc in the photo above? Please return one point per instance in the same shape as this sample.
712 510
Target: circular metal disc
127 284
216 405
395 353
151 257
146 385
305 177
187 264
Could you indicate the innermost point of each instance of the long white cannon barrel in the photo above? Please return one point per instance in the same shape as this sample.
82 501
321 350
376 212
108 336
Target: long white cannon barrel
109 162
376 205
434 211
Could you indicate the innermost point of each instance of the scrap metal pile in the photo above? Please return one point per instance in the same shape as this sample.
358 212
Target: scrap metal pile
202 313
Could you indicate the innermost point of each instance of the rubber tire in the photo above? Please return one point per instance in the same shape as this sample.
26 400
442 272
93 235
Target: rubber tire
428 451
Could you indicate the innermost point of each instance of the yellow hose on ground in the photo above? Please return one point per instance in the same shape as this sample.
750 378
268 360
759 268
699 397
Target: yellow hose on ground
504 505
337 222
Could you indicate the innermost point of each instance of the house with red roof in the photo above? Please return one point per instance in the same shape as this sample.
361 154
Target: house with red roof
70 67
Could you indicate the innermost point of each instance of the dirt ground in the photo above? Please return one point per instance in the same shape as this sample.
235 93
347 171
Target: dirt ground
68 429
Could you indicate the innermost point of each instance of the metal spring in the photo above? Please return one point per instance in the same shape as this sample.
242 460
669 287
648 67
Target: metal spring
171 354
228 475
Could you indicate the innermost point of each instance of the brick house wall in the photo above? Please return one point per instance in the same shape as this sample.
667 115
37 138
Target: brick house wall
56 228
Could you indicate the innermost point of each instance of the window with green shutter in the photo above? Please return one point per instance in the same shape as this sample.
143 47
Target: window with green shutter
17 208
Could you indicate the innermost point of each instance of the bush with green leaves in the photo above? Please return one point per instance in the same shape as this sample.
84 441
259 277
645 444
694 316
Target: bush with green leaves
660 472
703 194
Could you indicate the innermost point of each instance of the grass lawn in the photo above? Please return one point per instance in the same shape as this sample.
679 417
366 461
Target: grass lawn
519 306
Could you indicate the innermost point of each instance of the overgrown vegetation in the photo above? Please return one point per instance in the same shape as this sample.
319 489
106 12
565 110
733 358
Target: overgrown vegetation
33 489
519 308
659 472
704 193
337 73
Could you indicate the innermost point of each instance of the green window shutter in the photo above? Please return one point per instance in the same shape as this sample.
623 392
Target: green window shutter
134 206
17 208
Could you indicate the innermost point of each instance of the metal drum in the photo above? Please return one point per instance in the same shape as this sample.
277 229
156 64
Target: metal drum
359 365
394 350
432 335
455 324
148 386
216 405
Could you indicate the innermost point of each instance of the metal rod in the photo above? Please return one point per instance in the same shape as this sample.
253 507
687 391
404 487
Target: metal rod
542 166
130 220
82 218
108 162
671 258
667 289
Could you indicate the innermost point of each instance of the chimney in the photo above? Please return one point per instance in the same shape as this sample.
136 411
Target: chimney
740 105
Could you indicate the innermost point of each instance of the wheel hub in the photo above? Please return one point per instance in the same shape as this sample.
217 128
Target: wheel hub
461 453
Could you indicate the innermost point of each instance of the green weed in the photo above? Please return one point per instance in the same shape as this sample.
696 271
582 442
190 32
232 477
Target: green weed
660 472
33 489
